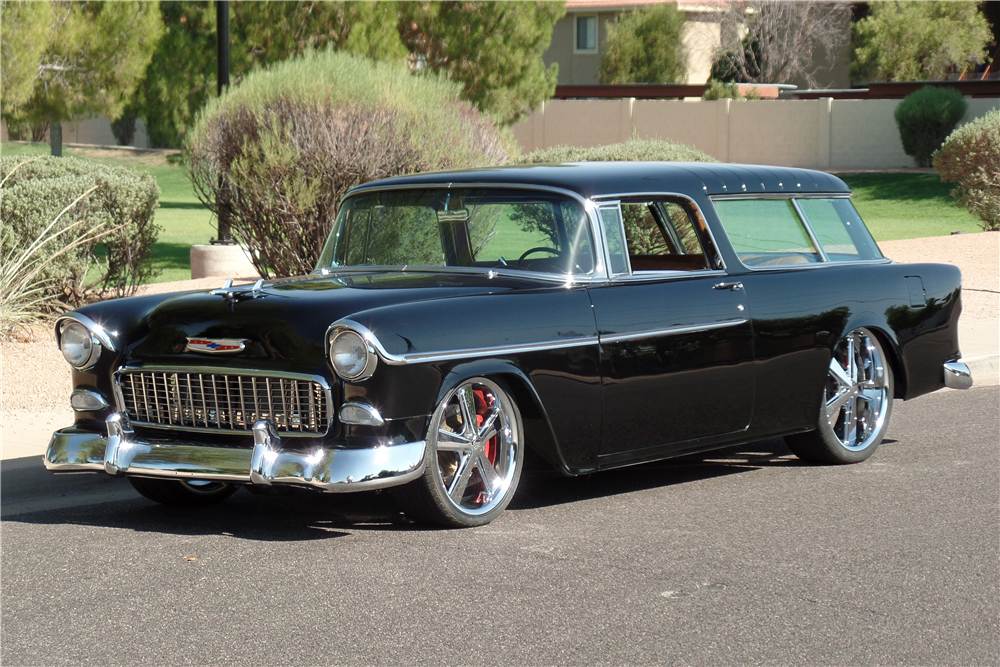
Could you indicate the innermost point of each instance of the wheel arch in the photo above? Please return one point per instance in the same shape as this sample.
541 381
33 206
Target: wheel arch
538 433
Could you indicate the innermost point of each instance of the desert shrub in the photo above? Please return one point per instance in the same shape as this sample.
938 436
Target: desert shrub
279 151
925 118
634 150
723 91
63 216
970 157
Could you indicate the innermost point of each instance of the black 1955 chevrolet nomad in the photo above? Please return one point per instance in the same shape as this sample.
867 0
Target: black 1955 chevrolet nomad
600 314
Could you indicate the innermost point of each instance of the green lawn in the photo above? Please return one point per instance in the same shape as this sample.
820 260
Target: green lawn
184 220
908 205
894 205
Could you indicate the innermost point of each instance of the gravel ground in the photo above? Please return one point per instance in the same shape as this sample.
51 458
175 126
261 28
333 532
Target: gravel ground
35 377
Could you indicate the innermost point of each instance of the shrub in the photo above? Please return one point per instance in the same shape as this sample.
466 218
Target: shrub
73 215
279 151
970 157
722 91
634 150
925 118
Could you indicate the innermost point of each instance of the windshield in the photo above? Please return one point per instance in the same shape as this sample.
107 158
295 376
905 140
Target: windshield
462 227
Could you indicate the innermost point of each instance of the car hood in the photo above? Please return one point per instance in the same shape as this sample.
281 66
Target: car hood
281 326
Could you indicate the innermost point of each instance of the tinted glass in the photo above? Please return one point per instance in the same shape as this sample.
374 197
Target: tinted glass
766 232
586 33
839 229
661 237
519 229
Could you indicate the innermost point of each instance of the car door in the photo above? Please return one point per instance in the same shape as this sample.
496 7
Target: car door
676 339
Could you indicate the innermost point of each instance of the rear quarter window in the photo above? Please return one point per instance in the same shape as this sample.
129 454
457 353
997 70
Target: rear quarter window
766 232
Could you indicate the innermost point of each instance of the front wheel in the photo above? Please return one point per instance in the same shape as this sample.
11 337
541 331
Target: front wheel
183 493
857 402
475 453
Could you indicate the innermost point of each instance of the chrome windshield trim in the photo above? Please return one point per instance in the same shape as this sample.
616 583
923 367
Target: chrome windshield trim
588 206
96 329
488 272
467 353
671 331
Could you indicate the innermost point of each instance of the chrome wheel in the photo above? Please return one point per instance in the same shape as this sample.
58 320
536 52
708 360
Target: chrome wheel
474 458
857 402
477 448
857 391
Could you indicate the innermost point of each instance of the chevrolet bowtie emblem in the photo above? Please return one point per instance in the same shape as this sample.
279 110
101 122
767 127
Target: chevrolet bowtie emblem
215 345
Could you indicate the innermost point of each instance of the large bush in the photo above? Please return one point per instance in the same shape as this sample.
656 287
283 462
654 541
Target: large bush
57 214
970 157
633 150
925 118
280 150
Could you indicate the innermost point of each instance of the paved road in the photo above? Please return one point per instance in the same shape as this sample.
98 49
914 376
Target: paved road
744 557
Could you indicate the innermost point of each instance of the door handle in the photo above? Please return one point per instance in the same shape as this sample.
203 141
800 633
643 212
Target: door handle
733 287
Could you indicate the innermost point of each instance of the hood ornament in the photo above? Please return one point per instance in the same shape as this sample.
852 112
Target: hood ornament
231 295
216 345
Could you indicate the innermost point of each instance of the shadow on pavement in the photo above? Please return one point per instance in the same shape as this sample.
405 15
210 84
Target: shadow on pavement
30 494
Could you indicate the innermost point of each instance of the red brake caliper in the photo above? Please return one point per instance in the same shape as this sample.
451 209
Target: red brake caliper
483 405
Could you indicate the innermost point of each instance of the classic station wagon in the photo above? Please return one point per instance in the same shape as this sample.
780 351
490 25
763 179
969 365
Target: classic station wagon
600 314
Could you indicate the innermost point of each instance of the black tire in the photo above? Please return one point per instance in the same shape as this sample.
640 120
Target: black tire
853 422
479 465
182 493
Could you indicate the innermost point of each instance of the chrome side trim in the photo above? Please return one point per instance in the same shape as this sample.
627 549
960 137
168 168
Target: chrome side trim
468 353
957 375
671 331
104 337
324 469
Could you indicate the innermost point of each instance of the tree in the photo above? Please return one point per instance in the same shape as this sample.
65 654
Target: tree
918 41
182 75
494 49
768 41
645 46
94 56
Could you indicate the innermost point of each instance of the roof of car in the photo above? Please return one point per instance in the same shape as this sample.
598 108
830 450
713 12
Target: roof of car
591 179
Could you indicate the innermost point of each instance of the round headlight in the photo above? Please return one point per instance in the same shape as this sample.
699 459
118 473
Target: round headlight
351 357
78 345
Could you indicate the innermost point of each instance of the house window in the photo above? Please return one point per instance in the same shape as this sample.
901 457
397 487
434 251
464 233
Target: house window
586 34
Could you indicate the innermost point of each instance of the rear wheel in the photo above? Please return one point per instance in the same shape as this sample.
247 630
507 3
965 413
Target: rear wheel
185 493
856 406
475 453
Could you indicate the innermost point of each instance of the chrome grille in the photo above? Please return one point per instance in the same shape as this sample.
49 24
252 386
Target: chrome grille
200 401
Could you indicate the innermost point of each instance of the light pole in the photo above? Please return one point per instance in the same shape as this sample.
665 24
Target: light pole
222 76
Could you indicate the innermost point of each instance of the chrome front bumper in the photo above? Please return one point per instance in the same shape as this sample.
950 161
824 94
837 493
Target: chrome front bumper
329 470
957 375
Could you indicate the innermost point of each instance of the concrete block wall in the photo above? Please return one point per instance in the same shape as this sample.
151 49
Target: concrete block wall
819 134
96 131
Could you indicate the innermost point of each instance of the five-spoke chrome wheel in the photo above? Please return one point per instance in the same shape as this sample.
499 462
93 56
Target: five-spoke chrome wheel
474 458
856 404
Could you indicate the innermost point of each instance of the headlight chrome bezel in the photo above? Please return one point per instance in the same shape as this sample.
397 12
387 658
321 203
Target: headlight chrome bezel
365 346
85 333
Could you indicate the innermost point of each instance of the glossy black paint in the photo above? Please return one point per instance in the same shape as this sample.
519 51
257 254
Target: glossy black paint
592 404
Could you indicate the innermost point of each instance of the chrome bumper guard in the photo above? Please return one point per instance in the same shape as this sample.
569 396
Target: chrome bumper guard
957 375
329 470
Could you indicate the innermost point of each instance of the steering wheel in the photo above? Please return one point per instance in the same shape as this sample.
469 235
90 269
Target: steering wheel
531 251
